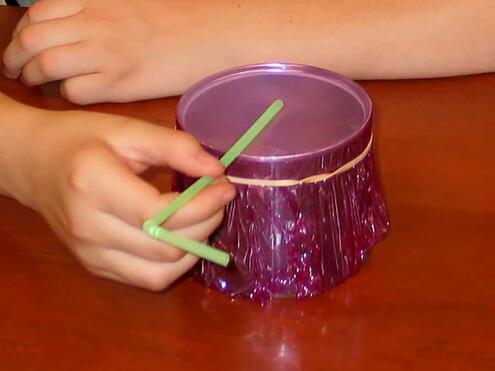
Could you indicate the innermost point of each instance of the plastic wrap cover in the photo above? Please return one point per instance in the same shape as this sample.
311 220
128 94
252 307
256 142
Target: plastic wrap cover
294 240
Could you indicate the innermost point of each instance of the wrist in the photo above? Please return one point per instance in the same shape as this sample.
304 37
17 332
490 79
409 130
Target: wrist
16 127
192 54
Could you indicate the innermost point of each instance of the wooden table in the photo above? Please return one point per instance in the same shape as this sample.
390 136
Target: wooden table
425 300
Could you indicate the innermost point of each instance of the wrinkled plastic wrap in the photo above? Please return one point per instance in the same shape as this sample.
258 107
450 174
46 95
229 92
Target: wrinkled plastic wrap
297 241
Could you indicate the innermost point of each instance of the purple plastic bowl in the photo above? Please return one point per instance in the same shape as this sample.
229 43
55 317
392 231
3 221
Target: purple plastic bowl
295 240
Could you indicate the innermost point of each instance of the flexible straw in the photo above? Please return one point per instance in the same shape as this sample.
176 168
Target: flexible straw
152 226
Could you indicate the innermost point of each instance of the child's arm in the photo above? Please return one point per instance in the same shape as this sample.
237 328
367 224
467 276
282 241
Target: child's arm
118 50
79 170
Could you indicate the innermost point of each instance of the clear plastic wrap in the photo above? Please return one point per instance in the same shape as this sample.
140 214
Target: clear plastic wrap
293 240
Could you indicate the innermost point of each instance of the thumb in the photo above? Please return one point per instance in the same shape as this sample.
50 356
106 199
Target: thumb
154 145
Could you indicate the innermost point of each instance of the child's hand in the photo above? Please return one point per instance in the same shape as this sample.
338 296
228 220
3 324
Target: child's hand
109 50
79 169
123 50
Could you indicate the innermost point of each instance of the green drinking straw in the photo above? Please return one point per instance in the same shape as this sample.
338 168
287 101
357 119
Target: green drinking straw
152 226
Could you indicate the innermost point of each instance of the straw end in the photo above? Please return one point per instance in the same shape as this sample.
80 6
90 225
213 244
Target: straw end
279 104
225 261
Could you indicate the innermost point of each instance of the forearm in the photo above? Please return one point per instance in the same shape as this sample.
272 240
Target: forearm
363 39
15 125
149 49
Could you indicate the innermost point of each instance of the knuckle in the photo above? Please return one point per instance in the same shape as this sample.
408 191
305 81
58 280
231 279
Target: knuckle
99 272
216 220
94 262
79 171
158 252
77 228
48 64
90 269
87 260
180 142
29 39
27 78
125 71
35 12
172 255
72 91
94 270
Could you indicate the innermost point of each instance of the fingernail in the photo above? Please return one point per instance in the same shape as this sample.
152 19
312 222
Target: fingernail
228 195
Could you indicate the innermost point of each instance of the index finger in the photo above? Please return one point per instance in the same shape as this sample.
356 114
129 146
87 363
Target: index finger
45 10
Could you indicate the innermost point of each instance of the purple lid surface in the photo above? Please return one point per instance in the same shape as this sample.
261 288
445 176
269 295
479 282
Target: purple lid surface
323 111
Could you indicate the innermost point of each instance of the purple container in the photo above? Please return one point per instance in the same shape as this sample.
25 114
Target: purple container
309 207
